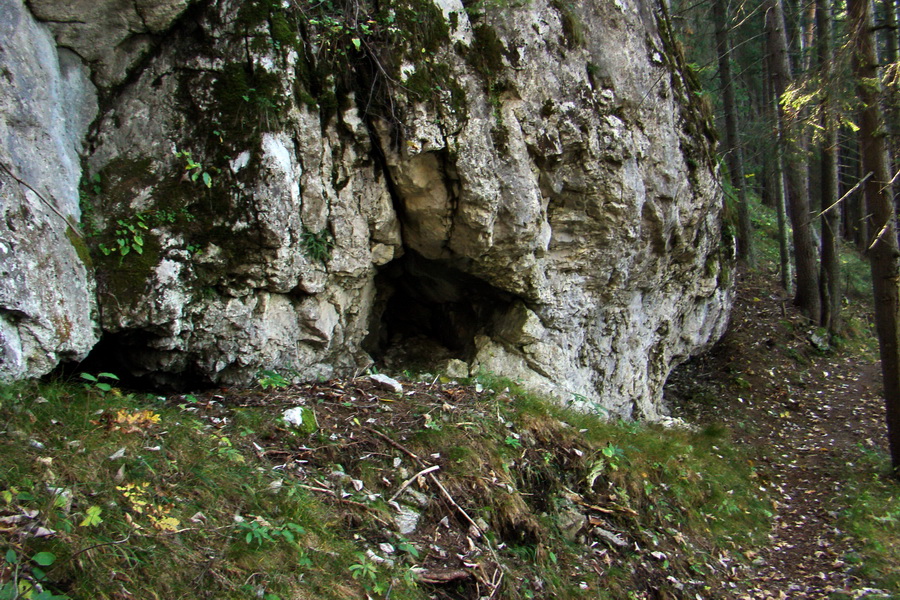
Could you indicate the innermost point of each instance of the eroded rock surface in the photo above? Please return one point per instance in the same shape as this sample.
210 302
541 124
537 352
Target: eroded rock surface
47 102
526 186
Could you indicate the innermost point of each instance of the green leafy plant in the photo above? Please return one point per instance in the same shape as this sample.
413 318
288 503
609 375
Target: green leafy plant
265 107
614 454
271 379
366 572
259 532
226 449
164 216
92 517
129 237
194 169
97 382
405 546
317 246
28 578
512 442
96 184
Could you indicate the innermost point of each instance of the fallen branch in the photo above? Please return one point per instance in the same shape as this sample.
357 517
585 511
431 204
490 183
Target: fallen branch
397 445
429 471
409 481
453 503
443 576
496 580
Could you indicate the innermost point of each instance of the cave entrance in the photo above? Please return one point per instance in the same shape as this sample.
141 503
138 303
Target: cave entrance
427 311
127 354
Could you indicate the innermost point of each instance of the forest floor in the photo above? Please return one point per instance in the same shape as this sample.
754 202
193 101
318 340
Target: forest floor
815 418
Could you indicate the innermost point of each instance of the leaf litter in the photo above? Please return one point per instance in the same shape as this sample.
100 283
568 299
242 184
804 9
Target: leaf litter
813 416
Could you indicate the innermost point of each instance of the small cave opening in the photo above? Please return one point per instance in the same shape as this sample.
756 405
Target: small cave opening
127 355
427 311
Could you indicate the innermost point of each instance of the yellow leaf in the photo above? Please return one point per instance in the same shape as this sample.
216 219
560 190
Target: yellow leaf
166 524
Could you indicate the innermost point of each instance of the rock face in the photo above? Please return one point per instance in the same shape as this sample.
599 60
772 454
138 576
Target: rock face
270 186
47 103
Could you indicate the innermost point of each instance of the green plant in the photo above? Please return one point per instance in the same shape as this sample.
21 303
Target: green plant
258 532
89 189
28 578
94 381
871 514
367 574
226 449
96 186
317 246
271 379
403 545
168 499
265 107
129 237
92 517
168 217
194 169
614 454
512 442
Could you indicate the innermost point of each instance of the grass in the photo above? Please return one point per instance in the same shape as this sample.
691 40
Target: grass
108 494
872 517
147 501
143 497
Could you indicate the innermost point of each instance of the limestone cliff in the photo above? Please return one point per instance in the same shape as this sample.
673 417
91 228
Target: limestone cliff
304 185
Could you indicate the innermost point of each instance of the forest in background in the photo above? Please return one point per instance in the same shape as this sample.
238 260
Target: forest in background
805 98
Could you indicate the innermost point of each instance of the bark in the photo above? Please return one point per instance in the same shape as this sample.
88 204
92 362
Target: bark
852 211
830 280
892 97
784 250
732 149
795 162
892 39
884 257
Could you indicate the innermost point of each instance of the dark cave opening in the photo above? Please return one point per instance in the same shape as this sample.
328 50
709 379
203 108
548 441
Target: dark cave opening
127 354
427 310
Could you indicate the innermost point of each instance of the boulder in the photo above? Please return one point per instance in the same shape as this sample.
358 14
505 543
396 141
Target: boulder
530 188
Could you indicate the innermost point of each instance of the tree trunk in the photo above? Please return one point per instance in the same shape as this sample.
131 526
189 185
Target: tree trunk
807 296
892 97
732 149
884 257
784 248
830 281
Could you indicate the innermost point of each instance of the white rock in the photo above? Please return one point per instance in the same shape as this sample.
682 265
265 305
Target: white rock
406 519
293 416
387 383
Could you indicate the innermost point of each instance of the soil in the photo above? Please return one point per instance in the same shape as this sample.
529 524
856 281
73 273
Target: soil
809 410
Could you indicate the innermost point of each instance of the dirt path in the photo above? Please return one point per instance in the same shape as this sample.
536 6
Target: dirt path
809 412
